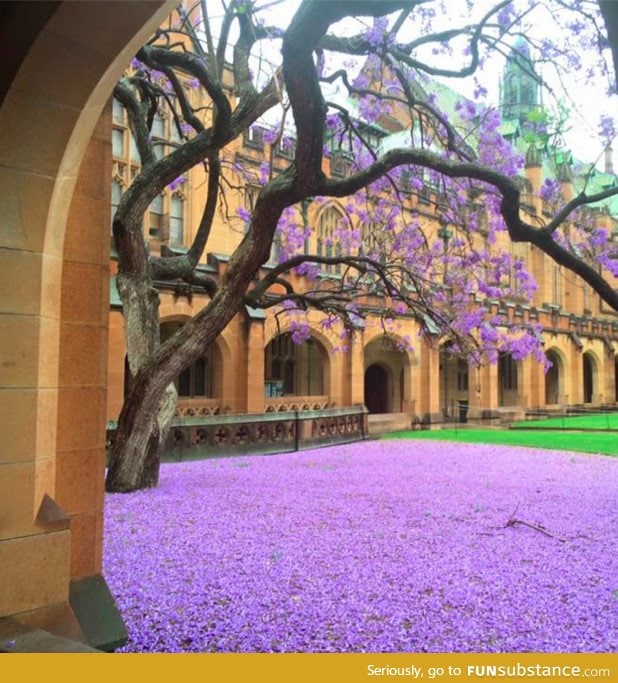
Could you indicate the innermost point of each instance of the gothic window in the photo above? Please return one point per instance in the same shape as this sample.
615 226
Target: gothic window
293 369
507 370
157 133
117 111
156 226
518 254
462 375
327 226
370 242
281 359
134 151
176 220
253 137
118 148
158 126
116 195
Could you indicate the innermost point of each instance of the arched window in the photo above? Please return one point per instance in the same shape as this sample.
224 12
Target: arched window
518 252
177 212
462 375
293 369
281 359
371 244
327 226
507 371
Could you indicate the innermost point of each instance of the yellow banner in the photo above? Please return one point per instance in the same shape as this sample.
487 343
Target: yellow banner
320 668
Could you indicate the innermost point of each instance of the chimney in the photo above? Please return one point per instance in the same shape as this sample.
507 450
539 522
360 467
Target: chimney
609 163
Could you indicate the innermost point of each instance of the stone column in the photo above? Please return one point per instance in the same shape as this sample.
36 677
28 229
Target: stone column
255 367
355 364
427 387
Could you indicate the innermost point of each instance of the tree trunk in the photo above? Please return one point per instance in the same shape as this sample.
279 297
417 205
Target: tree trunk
136 453
147 411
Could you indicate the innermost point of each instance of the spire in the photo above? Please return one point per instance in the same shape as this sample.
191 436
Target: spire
520 83
533 156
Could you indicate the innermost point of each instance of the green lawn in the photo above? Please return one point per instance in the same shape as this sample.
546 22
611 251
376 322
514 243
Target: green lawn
591 442
593 421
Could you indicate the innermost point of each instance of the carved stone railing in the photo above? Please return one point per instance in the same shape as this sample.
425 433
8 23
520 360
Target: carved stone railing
198 407
294 403
195 438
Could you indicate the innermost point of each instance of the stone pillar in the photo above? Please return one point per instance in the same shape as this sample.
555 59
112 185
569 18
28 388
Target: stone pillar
533 389
255 367
355 365
409 403
427 387
53 340
490 397
577 375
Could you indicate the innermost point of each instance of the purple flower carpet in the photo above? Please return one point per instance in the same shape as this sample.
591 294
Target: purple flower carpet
380 546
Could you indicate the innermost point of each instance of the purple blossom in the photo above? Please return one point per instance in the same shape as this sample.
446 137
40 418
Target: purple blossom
506 16
376 34
269 135
243 213
176 183
607 129
550 189
387 546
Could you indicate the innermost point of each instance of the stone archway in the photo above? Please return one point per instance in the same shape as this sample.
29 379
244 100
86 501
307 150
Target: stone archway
555 379
590 378
55 235
389 382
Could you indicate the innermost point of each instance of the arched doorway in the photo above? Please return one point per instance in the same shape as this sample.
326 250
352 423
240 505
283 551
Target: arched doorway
387 381
376 389
589 378
554 380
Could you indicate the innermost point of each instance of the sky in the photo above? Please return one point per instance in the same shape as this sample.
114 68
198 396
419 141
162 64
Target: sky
585 98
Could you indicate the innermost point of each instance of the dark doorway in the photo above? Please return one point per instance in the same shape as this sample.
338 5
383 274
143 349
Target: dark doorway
553 380
588 379
376 389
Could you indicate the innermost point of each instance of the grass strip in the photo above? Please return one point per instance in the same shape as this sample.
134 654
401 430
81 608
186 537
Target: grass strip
596 442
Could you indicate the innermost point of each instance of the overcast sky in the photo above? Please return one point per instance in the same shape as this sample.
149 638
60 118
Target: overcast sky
585 100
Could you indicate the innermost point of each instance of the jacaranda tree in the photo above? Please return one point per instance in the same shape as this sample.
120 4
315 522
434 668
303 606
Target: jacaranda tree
326 82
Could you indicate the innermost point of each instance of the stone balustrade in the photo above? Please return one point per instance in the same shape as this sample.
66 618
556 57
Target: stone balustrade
211 436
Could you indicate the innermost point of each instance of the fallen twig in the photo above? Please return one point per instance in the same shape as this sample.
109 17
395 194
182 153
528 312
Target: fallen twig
537 527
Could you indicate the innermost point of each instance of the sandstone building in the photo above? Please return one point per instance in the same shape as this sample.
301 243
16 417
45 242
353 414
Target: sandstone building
55 159
254 368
